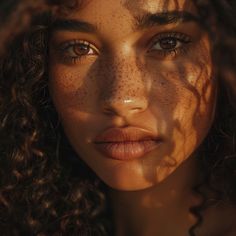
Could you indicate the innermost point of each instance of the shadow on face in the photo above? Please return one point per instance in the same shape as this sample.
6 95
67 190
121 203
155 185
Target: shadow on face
133 64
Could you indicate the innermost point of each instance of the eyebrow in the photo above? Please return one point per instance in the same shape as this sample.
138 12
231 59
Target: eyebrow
164 18
140 22
73 25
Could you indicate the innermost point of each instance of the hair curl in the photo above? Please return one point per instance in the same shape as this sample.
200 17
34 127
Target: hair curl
44 188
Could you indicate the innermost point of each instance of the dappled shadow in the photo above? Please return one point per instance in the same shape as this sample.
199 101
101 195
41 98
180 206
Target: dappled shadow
187 76
188 85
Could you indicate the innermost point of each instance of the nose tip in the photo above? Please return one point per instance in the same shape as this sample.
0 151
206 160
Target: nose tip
123 88
125 106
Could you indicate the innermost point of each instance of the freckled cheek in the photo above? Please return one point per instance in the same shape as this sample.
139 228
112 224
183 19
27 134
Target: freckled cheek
186 100
164 90
69 88
186 94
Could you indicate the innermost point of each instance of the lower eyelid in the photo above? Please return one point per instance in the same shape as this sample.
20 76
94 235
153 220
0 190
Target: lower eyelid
169 54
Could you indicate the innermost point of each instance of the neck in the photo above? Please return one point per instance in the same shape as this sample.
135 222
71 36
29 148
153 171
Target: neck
146 212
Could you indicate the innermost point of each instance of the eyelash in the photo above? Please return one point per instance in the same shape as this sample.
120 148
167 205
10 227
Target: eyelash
181 40
65 48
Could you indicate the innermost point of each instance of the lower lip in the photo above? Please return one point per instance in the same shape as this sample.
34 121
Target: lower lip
127 150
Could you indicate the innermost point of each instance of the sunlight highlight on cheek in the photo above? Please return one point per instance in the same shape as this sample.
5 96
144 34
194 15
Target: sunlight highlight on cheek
163 127
208 104
185 141
192 79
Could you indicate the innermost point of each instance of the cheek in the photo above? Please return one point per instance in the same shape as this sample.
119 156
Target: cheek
73 94
186 95
69 89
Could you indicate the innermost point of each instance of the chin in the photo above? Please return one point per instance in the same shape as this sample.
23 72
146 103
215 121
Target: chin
127 186
132 177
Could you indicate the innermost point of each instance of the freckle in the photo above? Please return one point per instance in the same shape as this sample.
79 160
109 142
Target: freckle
162 83
81 95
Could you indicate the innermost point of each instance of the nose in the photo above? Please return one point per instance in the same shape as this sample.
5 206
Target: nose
124 90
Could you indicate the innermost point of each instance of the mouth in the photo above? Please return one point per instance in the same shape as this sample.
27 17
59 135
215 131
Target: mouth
126 143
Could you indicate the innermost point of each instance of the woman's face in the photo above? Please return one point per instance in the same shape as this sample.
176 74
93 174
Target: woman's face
132 82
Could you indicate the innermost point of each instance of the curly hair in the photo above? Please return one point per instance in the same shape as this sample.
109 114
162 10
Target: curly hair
44 188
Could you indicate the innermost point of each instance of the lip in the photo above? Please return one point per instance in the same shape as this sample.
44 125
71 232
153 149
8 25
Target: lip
126 143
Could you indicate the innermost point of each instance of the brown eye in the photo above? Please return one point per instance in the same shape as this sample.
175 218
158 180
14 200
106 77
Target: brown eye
168 43
81 49
78 48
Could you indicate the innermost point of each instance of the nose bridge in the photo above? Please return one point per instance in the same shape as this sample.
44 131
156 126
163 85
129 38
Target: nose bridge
124 87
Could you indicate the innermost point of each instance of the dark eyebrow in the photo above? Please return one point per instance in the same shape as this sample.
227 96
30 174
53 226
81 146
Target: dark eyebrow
164 18
73 25
140 22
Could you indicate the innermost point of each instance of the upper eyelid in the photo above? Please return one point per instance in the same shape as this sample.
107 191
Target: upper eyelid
173 34
66 44
155 39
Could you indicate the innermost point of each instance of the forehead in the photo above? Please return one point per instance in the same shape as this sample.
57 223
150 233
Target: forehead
118 18
93 8
158 5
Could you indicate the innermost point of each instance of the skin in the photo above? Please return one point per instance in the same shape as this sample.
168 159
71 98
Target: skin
120 83
127 78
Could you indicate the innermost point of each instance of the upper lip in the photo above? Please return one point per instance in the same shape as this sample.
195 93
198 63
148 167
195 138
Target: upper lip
127 134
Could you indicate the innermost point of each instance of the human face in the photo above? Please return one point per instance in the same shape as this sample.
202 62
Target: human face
133 89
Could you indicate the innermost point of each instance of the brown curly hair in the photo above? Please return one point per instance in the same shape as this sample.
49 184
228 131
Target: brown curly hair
44 187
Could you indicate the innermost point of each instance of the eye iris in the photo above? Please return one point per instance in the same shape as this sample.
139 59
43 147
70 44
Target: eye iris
81 49
168 43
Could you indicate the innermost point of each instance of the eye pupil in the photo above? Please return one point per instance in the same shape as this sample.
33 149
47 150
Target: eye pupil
81 49
168 43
